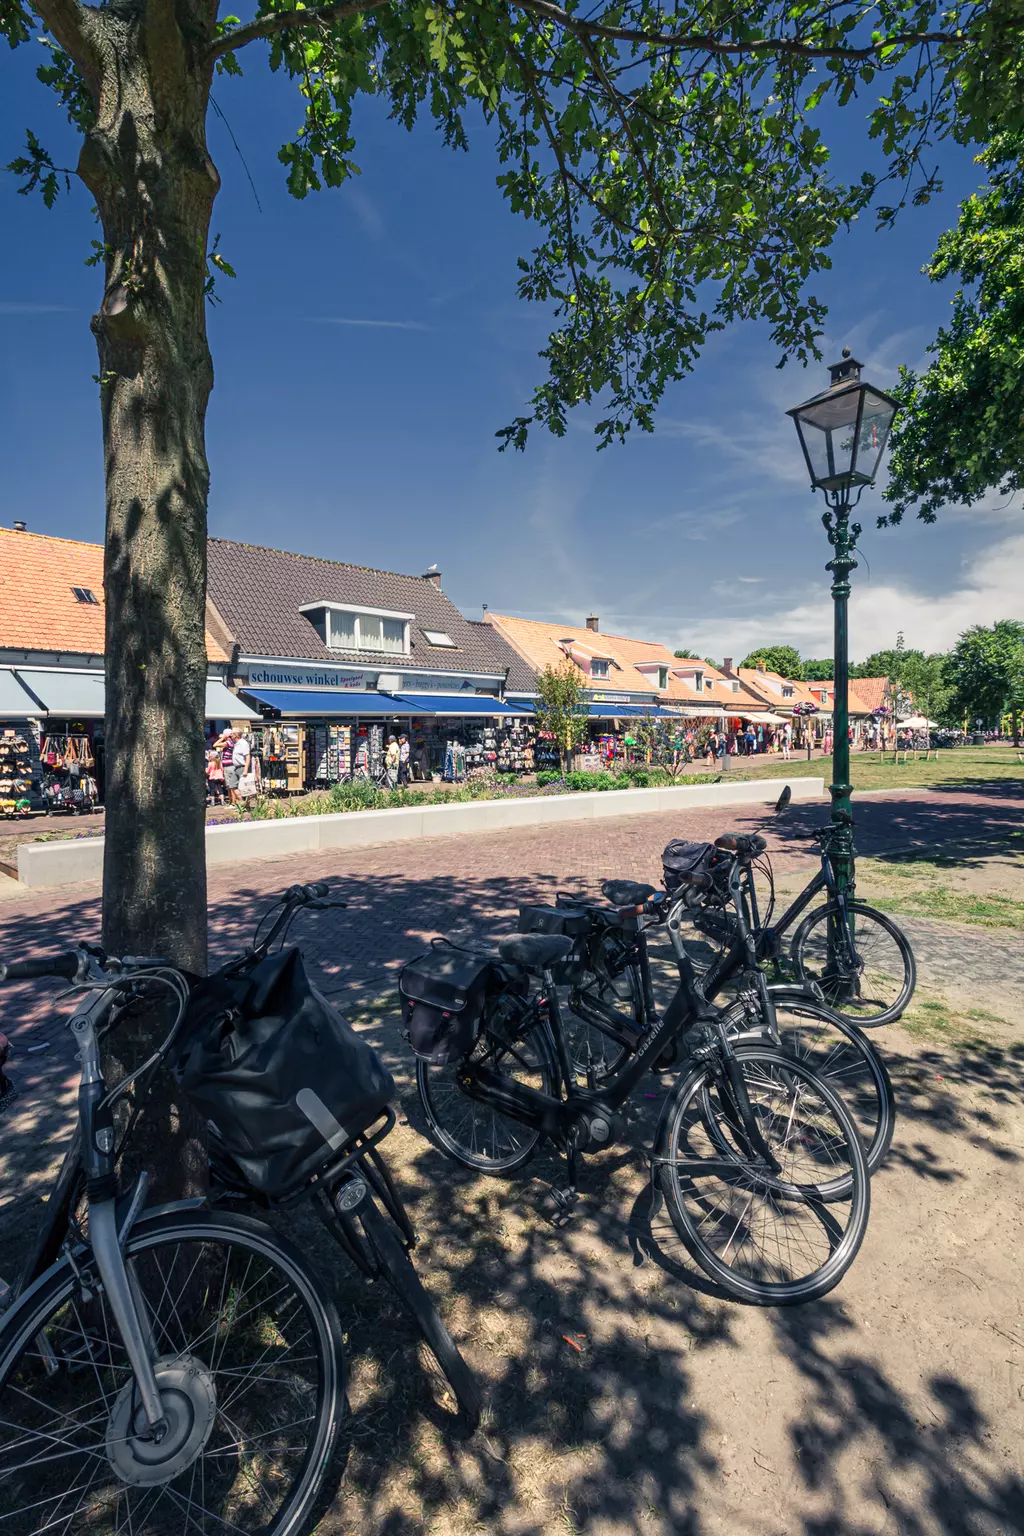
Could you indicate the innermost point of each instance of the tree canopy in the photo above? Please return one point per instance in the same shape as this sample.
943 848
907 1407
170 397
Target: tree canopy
960 432
819 671
984 670
783 659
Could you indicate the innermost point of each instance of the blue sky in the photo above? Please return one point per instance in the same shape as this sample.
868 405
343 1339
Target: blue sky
371 346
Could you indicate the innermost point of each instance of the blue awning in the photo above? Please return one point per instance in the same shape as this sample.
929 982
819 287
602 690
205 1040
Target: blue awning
306 703
461 704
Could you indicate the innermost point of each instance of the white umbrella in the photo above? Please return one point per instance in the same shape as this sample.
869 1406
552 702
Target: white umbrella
918 723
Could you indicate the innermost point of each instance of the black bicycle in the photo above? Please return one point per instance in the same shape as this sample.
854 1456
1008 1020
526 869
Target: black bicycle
760 1162
609 1000
859 958
181 1367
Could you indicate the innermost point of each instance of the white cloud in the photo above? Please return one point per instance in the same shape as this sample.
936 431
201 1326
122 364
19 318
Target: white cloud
385 325
992 588
9 308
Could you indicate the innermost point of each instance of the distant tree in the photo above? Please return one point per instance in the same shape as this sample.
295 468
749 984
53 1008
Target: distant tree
711 662
782 659
983 671
821 671
687 655
1015 694
561 708
888 663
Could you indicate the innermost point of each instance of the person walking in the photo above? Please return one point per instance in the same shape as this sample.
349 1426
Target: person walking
711 749
215 772
750 741
787 740
404 766
392 758
241 754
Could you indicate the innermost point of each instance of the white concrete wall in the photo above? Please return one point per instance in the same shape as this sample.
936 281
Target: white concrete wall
66 863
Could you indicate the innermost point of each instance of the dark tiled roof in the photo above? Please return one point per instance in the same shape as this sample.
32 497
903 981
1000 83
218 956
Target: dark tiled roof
521 676
259 591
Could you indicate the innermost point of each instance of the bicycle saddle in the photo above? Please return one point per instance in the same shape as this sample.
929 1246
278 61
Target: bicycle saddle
742 842
534 951
626 893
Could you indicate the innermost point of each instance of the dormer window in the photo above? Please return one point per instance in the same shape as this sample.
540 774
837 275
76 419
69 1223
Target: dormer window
85 595
344 627
787 692
439 638
598 667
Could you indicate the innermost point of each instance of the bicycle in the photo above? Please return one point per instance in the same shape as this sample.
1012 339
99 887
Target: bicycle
859 958
180 1367
611 1001
760 1162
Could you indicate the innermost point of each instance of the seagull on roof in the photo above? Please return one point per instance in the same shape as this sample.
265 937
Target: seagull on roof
432 567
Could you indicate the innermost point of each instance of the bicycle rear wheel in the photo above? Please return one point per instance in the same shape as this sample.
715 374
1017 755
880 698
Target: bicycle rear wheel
398 1270
870 986
767 1238
513 1043
250 1366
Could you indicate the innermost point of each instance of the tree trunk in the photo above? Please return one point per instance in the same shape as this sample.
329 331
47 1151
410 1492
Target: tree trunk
146 163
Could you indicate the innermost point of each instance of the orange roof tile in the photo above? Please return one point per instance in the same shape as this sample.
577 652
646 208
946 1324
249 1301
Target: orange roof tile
38 608
867 693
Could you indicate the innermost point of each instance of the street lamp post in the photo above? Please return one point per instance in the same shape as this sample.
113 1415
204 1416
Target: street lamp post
843 433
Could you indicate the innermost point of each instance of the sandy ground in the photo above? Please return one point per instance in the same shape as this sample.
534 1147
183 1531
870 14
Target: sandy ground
625 1396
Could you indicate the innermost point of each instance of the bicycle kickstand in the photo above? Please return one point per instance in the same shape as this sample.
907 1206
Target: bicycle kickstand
565 1199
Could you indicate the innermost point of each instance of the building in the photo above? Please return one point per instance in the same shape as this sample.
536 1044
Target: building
339 657
52 623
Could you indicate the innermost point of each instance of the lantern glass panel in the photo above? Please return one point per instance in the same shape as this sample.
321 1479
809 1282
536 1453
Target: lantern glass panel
875 421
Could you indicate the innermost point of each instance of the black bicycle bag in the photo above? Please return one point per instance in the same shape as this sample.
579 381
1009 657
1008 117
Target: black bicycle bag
281 1076
681 858
570 921
442 994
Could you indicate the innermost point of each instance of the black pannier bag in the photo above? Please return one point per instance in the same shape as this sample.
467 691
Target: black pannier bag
442 995
684 858
570 921
282 1077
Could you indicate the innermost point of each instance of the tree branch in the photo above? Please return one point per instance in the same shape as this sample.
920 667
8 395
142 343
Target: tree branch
284 21
693 42
74 26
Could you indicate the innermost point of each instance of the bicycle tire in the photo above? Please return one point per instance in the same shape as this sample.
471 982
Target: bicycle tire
77 1324
748 1278
809 955
850 1064
400 1273
442 1099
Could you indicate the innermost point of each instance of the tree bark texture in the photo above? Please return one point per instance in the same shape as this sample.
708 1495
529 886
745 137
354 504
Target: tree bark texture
146 163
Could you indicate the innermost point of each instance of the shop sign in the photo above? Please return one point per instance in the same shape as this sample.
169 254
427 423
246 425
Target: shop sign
274 675
609 698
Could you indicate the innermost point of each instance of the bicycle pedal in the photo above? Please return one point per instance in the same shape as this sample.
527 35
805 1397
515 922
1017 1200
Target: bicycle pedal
564 1203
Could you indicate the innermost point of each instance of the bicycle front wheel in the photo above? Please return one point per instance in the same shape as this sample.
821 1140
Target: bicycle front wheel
839 1053
397 1268
868 981
767 1237
250 1365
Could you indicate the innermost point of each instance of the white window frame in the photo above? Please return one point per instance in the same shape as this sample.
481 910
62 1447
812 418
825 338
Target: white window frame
604 663
357 610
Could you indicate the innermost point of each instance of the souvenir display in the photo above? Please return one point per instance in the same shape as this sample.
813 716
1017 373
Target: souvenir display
68 781
15 775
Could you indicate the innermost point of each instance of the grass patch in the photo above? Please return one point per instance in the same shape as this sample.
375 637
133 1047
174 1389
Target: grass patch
956 907
934 1019
968 767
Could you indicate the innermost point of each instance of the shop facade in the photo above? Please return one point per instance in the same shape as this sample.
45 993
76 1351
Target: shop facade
338 659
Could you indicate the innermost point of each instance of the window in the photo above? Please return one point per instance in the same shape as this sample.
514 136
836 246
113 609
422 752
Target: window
787 693
438 637
359 629
598 667
85 595
663 678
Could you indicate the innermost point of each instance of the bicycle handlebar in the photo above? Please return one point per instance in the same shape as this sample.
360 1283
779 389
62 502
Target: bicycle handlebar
65 965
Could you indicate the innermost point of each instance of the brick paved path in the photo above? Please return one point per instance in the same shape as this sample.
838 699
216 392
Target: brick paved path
402 894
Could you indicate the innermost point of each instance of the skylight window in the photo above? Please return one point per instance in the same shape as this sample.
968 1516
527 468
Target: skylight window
85 595
438 637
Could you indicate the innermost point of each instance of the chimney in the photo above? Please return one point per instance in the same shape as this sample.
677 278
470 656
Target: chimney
761 667
727 665
433 575
593 622
19 526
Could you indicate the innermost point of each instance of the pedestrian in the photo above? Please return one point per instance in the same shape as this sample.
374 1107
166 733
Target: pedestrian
711 748
231 771
404 766
787 740
241 755
750 741
392 758
215 772
723 748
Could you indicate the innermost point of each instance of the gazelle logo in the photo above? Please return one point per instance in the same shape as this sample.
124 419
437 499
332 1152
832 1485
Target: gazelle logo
317 1113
